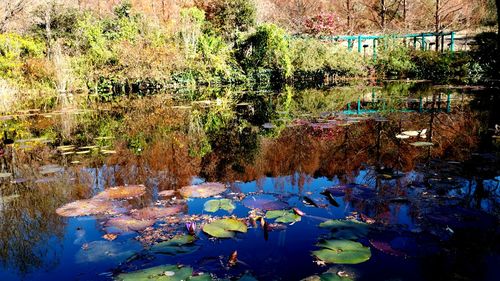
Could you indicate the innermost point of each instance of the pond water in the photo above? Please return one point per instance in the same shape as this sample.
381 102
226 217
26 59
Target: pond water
402 176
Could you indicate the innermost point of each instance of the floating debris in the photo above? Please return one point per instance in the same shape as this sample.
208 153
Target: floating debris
421 144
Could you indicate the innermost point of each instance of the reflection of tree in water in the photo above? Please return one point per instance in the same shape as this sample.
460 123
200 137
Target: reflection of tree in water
30 229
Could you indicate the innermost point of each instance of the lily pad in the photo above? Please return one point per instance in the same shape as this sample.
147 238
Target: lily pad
215 205
88 207
283 216
330 275
5 175
181 244
342 252
203 190
151 213
99 251
122 192
128 224
421 144
224 228
346 229
410 133
158 273
264 202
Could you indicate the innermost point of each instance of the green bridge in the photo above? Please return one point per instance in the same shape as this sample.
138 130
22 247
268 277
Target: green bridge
417 40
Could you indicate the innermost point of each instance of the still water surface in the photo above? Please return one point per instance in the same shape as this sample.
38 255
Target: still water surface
416 164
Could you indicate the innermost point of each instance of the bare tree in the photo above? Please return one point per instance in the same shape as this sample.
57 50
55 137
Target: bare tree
9 10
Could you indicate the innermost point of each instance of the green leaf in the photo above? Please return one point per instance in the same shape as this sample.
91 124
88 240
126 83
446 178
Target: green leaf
211 206
158 273
227 205
177 245
342 252
346 229
215 205
283 216
224 228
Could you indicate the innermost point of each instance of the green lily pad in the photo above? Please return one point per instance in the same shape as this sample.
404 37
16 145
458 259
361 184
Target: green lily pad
158 273
327 276
224 228
215 205
346 229
283 216
181 244
342 252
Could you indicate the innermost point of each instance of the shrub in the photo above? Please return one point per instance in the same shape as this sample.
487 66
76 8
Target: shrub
393 58
314 57
446 66
267 48
14 50
229 17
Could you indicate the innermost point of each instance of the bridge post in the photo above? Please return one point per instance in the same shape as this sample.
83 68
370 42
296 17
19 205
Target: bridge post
422 46
349 44
448 102
359 106
452 42
415 42
374 49
359 44
420 105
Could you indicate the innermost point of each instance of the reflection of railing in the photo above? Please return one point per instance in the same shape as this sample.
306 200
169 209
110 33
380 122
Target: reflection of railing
373 104
417 39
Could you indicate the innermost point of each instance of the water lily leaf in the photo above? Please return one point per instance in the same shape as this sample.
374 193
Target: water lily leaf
283 216
421 144
122 192
224 228
129 224
99 251
327 276
215 205
203 190
88 207
264 202
5 175
158 273
181 244
410 133
151 213
346 229
342 252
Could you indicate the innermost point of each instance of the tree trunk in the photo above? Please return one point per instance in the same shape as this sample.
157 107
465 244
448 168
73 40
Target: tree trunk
404 15
437 23
497 2
382 14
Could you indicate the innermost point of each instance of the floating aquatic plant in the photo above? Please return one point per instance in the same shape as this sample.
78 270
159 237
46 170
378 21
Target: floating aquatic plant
127 223
159 273
421 144
224 228
122 192
98 251
215 205
88 207
346 229
264 202
181 244
151 213
342 252
203 190
283 216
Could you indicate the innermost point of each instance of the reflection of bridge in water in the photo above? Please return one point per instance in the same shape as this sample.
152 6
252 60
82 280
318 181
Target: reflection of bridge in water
370 103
